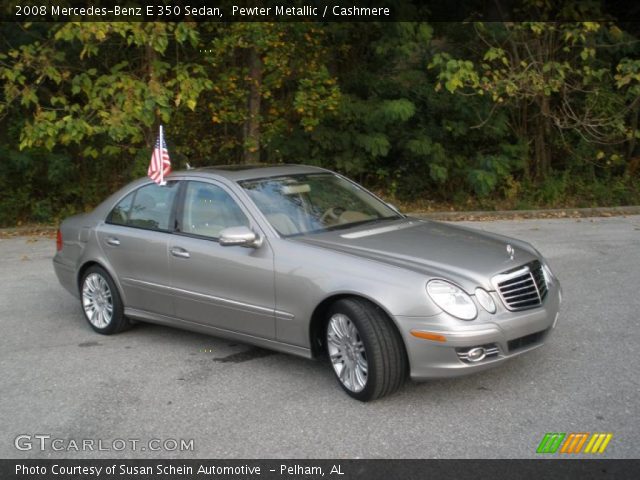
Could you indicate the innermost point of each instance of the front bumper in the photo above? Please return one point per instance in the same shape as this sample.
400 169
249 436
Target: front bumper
505 334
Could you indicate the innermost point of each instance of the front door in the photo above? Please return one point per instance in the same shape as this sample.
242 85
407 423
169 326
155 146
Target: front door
225 287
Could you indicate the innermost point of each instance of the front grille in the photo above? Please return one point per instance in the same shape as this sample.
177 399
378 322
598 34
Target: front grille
527 340
522 288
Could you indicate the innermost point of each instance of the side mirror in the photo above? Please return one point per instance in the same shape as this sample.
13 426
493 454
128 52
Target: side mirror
239 236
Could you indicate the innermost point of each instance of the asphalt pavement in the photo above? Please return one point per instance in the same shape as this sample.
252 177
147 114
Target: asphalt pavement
61 381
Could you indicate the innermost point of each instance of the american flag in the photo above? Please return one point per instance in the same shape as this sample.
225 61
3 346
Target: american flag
160 165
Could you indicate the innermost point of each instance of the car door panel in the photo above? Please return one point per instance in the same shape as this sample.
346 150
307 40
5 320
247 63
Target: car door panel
225 287
135 239
141 259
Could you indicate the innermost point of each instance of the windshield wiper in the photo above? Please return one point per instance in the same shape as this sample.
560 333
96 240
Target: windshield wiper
343 226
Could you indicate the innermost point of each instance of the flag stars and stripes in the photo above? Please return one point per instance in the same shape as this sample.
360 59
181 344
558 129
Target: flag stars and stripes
160 165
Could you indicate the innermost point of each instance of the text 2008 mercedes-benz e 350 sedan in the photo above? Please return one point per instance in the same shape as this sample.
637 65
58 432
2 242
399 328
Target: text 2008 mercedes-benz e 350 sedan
302 260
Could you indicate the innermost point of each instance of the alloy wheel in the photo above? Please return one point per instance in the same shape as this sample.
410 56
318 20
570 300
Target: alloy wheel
347 353
97 300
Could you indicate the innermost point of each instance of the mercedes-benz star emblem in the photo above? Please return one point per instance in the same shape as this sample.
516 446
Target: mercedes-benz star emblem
510 251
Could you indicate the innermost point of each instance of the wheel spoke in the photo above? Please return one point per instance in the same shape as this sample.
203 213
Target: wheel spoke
334 338
362 365
336 357
352 333
361 376
335 330
339 322
92 285
342 374
354 382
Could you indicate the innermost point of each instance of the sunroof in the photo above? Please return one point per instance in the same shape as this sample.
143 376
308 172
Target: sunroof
235 168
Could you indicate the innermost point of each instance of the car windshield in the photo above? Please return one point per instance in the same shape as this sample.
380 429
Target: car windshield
311 203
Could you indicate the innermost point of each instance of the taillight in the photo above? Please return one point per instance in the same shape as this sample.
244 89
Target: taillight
59 240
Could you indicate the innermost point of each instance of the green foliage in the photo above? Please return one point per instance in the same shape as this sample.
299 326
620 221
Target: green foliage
515 115
555 79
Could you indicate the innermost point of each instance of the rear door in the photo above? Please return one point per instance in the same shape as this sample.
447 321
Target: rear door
225 287
135 240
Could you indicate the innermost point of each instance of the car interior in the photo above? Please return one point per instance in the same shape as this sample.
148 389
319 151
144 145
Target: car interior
208 210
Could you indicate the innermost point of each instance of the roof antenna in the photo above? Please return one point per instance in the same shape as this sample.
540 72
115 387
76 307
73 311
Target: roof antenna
189 167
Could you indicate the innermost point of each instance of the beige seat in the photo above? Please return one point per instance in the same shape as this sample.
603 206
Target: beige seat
273 211
210 212
282 224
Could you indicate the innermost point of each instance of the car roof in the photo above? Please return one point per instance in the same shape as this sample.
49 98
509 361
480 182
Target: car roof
239 173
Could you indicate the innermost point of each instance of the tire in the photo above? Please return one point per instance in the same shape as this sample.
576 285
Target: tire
360 339
101 303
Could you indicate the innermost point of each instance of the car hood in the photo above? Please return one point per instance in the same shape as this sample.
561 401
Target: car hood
466 256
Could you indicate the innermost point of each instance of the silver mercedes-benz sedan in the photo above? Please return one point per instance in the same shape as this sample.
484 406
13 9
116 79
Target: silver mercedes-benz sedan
304 261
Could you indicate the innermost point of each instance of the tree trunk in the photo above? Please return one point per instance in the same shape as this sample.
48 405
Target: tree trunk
631 146
252 124
150 58
521 130
542 133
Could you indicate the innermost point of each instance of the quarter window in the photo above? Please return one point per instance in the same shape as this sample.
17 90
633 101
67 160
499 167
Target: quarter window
208 209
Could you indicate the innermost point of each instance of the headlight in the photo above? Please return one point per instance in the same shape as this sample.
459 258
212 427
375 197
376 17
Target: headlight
485 299
452 299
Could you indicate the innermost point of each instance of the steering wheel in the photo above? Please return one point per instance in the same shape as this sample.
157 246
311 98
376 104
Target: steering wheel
332 215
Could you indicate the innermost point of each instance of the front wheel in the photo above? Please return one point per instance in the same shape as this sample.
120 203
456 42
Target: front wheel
365 350
101 302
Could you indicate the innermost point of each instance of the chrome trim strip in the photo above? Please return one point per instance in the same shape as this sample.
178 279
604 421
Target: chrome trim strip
535 285
502 277
234 303
526 280
284 315
489 352
376 231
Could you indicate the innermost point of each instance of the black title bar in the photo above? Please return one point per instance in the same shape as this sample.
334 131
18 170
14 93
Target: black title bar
317 469
318 10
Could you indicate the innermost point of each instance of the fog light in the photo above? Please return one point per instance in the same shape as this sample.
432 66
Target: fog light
476 354
484 299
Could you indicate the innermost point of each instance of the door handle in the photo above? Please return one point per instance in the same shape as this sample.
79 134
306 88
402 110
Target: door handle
113 241
179 252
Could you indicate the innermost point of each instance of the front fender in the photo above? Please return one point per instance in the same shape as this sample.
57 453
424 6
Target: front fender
307 275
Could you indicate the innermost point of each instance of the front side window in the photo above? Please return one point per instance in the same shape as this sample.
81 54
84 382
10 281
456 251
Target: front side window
209 209
149 207
310 203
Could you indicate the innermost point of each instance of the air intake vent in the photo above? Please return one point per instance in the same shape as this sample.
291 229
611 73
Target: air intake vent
526 341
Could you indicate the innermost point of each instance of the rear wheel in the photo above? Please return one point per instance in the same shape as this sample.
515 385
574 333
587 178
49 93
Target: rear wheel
365 350
101 302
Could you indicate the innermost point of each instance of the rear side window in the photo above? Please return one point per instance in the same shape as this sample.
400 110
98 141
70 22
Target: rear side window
120 212
148 207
